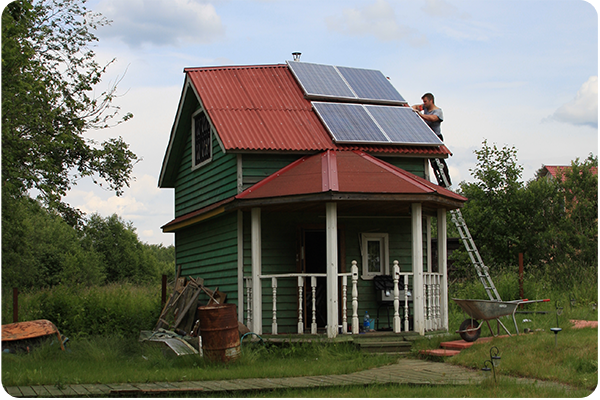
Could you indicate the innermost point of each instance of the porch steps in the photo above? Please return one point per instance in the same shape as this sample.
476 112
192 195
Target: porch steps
383 344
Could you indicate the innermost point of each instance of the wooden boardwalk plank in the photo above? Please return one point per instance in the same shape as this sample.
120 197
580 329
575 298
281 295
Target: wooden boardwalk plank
96 388
41 391
14 391
80 390
54 392
27 391
212 386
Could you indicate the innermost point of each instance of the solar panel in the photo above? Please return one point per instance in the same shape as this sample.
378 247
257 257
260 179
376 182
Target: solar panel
403 126
370 84
349 123
320 80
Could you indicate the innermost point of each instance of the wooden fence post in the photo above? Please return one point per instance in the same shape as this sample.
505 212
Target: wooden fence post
163 299
15 305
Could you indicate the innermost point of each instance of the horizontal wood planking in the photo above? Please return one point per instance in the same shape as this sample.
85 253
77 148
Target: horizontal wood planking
207 184
414 165
209 250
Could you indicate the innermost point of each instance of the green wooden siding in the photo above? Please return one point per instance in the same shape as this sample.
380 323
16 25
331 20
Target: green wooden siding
209 250
413 165
256 167
205 185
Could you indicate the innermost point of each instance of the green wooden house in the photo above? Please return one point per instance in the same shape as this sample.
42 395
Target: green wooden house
288 200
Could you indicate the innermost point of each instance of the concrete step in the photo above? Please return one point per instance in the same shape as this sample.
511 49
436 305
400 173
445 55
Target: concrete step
440 352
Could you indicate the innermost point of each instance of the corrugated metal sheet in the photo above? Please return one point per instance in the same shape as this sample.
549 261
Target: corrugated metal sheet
262 108
352 172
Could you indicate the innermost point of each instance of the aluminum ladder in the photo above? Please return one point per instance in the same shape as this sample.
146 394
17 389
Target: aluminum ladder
443 178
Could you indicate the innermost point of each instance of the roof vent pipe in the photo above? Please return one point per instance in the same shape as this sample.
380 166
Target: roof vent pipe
296 55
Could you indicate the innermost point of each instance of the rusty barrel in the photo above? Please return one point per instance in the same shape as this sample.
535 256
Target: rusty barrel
219 332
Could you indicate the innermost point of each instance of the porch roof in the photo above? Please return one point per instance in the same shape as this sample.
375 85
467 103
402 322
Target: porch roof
344 172
353 178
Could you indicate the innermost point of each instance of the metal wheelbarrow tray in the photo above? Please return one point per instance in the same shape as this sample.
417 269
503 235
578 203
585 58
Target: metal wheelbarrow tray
486 310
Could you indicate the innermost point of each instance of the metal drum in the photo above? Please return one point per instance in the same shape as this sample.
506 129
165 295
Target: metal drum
219 332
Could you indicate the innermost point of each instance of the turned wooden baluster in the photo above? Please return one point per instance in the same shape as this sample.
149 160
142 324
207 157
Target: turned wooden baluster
344 304
355 326
274 323
300 302
313 285
396 297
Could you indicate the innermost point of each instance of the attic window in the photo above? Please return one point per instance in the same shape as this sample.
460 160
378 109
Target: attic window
201 140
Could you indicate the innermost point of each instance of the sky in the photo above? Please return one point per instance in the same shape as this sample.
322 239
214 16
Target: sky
522 74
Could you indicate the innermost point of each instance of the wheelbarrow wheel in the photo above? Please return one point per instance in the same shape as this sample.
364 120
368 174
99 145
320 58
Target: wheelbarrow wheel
469 330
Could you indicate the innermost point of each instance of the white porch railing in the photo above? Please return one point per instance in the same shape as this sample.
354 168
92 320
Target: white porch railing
431 306
431 303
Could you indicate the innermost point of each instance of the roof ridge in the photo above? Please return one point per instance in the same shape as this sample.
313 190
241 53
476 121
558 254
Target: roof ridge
222 67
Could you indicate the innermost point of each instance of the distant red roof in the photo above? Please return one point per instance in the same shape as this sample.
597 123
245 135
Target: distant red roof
262 108
553 170
343 171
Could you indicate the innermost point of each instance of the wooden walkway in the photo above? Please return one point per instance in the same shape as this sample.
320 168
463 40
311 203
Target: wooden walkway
408 371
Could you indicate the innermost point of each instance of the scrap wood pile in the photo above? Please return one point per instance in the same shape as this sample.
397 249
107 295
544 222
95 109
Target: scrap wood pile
178 326
179 313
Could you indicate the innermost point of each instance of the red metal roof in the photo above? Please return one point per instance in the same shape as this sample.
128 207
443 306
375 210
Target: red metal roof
553 170
262 108
343 171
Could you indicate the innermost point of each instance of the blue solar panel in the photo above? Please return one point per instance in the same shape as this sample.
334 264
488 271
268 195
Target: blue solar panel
349 123
320 80
403 126
370 84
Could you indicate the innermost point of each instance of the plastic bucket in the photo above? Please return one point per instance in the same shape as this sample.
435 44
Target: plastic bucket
219 332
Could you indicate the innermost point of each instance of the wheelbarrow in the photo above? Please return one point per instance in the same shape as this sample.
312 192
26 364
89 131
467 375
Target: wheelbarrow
486 310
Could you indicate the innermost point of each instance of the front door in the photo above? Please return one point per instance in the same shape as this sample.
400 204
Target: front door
315 262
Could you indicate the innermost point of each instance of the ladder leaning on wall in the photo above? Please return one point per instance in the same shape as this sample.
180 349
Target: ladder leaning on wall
442 175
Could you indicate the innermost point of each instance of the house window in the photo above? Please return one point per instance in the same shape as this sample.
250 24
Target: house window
201 140
375 252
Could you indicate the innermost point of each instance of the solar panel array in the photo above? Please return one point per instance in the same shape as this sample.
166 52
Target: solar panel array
375 124
361 106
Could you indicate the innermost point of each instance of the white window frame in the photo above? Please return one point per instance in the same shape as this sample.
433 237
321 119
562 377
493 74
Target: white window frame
383 239
209 159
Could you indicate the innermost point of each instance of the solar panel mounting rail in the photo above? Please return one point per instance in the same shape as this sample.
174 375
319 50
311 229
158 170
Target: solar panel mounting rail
467 239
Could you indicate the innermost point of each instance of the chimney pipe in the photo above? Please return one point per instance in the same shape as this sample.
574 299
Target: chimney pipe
296 55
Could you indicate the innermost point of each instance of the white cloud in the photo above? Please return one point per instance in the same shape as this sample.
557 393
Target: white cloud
441 8
583 109
377 19
162 22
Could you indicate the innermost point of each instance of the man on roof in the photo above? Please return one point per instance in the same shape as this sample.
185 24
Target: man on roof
432 114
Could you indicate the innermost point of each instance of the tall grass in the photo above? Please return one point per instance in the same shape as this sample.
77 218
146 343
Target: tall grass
78 311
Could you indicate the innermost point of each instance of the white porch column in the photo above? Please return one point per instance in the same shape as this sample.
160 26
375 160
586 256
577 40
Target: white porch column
256 271
417 267
332 270
443 264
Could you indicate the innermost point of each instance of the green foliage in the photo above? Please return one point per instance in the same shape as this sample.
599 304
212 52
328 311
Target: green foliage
50 99
120 310
553 222
123 256
39 249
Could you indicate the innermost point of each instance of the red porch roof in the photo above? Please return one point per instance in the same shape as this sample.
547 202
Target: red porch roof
346 172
